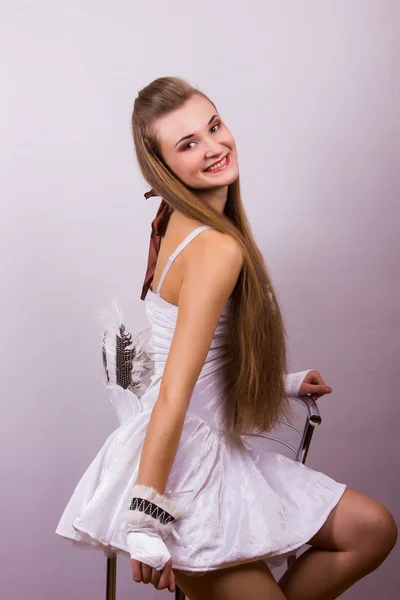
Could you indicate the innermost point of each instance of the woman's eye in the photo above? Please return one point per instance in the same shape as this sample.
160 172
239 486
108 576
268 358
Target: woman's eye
212 126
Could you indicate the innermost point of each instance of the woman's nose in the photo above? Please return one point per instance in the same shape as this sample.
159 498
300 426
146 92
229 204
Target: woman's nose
213 149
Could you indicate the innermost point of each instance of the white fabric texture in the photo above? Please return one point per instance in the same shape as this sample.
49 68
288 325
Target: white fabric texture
239 503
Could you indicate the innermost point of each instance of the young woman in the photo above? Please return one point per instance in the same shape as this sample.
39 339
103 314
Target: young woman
177 486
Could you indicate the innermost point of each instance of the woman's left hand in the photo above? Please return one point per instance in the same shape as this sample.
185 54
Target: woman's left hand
314 385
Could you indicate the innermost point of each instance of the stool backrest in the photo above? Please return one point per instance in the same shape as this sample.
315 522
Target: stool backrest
293 437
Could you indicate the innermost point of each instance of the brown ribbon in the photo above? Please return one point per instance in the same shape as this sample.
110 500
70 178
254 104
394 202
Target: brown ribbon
158 228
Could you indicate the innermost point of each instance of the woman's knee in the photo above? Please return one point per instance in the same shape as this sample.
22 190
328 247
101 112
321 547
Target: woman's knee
372 529
358 523
381 530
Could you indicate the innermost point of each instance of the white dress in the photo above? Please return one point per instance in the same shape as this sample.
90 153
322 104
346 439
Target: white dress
240 503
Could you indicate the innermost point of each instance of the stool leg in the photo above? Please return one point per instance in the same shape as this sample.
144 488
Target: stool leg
179 595
290 560
111 577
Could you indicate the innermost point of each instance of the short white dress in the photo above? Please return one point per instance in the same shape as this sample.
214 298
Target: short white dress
240 504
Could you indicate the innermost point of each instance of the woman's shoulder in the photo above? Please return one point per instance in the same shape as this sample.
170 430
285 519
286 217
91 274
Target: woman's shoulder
210 244
216 252
215 242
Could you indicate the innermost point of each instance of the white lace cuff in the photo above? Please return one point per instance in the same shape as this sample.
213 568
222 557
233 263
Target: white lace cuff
149 509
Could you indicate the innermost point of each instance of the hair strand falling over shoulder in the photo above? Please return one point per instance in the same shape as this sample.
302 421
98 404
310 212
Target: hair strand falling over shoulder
257 331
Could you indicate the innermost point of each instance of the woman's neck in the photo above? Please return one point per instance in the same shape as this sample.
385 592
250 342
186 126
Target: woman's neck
216 197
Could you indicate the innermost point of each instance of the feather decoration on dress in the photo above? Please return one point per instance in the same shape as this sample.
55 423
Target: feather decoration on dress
126 363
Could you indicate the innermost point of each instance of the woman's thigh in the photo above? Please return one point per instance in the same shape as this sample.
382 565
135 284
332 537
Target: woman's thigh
249 580
355 521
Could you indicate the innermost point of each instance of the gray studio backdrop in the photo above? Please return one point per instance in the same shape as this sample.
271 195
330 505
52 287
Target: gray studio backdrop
311 93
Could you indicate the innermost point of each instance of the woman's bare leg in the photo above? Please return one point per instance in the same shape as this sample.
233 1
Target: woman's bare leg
249 581
356 538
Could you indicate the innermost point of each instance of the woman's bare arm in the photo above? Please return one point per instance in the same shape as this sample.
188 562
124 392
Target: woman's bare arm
209 278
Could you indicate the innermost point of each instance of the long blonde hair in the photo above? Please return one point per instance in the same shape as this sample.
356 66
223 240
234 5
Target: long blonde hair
257 332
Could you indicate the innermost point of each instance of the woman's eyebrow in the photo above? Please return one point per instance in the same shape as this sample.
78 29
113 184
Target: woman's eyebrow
193 134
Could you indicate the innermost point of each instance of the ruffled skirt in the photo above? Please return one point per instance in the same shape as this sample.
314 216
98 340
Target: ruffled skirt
240 503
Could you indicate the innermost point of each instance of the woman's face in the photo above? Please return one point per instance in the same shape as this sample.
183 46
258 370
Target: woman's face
206 141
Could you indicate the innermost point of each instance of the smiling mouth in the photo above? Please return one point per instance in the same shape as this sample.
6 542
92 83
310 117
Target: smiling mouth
219 166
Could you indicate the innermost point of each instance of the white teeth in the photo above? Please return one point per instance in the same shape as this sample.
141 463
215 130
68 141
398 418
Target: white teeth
218 165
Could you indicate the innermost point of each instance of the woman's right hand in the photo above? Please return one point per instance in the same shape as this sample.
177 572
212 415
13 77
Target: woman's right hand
160 579
150 559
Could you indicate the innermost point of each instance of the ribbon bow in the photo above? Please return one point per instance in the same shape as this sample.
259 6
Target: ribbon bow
158 228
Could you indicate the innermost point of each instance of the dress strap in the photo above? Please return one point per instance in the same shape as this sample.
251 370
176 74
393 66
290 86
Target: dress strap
179 249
